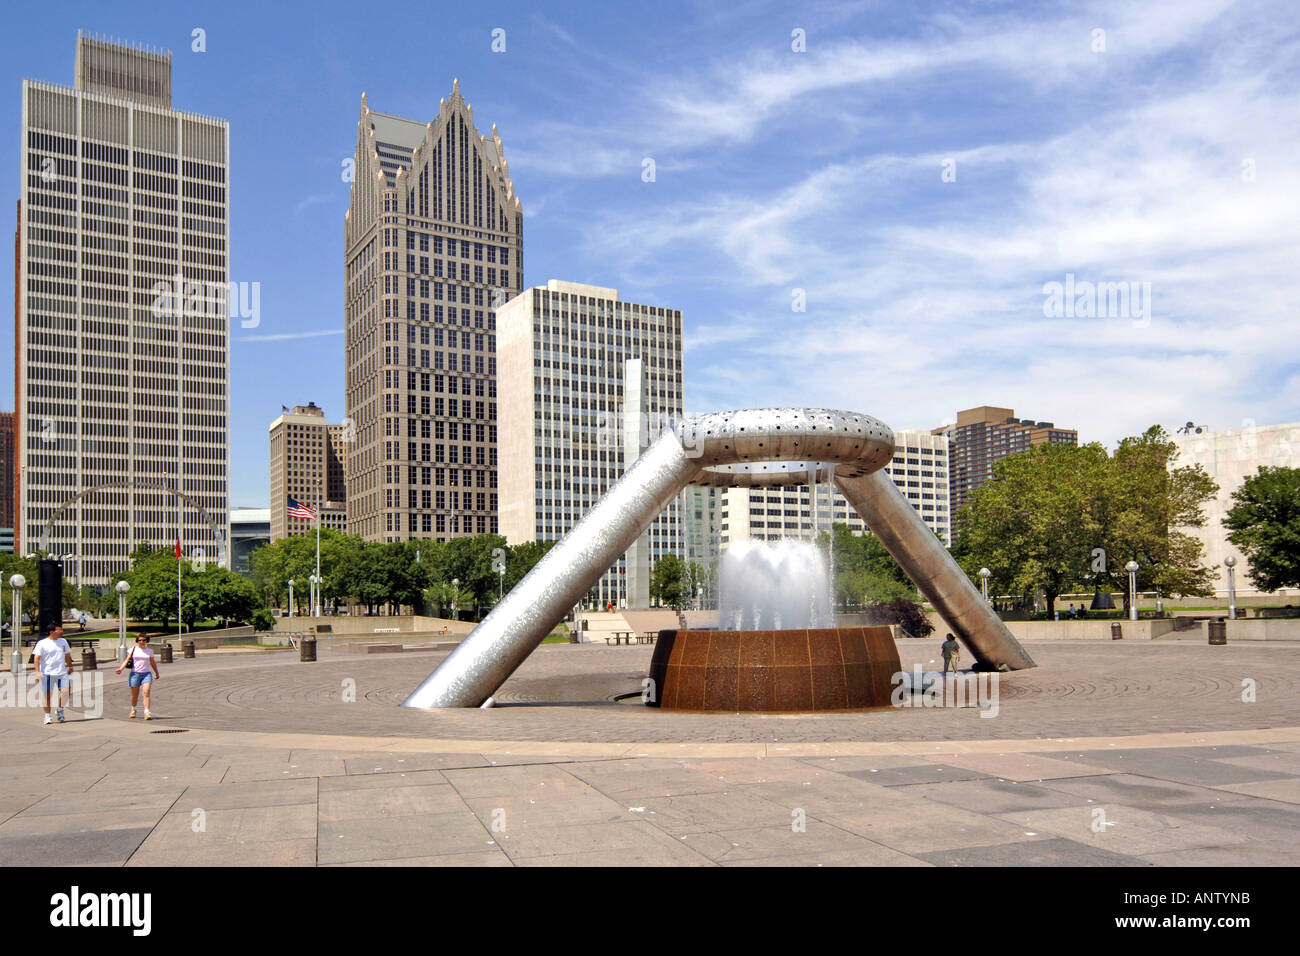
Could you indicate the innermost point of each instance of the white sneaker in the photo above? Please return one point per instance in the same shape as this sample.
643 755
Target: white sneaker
61 717
133 713
49 719
148 715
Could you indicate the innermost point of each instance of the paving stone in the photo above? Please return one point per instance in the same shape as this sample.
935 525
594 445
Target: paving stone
992 796
394 801
495 857
404 837
1138 791
247 827
1287 791
1202 771
922 773
300 852
262 793
632 842
107 846
1052 852
371 781
1125 829
151 800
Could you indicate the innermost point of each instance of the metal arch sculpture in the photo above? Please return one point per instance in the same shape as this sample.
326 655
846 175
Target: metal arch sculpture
750 448
217 532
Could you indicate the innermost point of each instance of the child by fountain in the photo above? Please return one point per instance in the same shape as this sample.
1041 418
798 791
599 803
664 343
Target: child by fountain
951 654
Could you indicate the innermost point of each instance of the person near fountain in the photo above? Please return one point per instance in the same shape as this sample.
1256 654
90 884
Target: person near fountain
951 654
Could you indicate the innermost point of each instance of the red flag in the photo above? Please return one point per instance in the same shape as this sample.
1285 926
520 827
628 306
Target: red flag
178 548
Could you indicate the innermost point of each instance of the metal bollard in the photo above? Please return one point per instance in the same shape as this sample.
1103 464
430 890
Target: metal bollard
307 649
1218 632
165 653
187 648
1116 631
88 660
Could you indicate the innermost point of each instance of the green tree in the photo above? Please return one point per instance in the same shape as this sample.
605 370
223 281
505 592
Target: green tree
1264 522
522 558
865 571
449 600
1032 525
1137 512
669 581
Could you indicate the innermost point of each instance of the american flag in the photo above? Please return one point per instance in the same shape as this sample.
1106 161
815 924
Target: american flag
300 511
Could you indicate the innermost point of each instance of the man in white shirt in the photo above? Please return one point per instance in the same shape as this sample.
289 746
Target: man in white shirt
53 662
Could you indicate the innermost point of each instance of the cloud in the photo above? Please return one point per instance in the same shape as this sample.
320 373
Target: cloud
286 336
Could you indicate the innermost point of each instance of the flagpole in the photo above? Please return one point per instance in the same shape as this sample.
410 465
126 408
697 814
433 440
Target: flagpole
320 504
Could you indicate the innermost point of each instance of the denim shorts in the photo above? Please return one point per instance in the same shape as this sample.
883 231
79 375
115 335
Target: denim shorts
137 679
51 682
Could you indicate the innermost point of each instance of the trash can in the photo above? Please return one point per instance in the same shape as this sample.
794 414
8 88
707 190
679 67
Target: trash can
1116 631
88 660
187 648
307 649
165 653
1218 632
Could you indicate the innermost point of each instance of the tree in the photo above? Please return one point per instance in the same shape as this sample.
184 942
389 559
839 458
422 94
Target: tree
669 581
522 558
443 595
864 570
1032 525
1264 522
1137 513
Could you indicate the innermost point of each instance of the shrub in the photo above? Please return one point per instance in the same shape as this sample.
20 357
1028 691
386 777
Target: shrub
262 620
908 615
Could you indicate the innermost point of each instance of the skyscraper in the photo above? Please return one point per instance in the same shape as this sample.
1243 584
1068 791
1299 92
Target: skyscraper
985 434
434 243
122 346
307 464
588 380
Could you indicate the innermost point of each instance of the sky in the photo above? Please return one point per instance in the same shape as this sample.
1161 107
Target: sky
854 205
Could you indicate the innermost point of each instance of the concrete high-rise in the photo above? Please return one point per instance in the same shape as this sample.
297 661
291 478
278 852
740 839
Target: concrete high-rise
588 380
434 243
986 434
308 458
121 338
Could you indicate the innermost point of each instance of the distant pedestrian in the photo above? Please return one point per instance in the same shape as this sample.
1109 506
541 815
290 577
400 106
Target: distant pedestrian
140 660
53 662
81 619
951 654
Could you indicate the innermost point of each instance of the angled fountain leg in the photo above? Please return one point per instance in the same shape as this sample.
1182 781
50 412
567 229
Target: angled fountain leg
536 604
930 566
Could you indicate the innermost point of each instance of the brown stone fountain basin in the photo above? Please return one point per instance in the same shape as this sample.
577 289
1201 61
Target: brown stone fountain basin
845 668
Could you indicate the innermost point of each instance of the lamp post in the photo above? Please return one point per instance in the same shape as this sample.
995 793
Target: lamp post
17 582
122 588
316 581
455 593
984 583
1132 569
291 597
699 598
1230 562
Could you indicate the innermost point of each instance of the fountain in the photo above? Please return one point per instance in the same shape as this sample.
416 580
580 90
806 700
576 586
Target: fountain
788 669
778 649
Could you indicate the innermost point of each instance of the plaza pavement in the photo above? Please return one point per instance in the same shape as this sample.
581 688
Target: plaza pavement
1108 753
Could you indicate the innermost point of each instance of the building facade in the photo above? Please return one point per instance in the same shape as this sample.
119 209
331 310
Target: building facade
587 382
308 462
1230 457
986 434
250 528
434 243
121 333
919 468
8 474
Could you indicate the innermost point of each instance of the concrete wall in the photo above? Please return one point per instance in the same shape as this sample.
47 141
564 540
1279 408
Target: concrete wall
349 625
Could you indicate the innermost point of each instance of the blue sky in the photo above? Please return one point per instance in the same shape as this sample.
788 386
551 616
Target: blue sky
1170 157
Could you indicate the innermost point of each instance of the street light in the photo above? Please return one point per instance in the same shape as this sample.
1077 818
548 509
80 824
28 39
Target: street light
1230 562
122 588
984 583
316 580
291 597
1132 569
17 582
455 593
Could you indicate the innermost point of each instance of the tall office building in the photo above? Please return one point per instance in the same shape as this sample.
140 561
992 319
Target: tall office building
308 457
919 468
434 242
8 472
985 434
587 382
121 342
